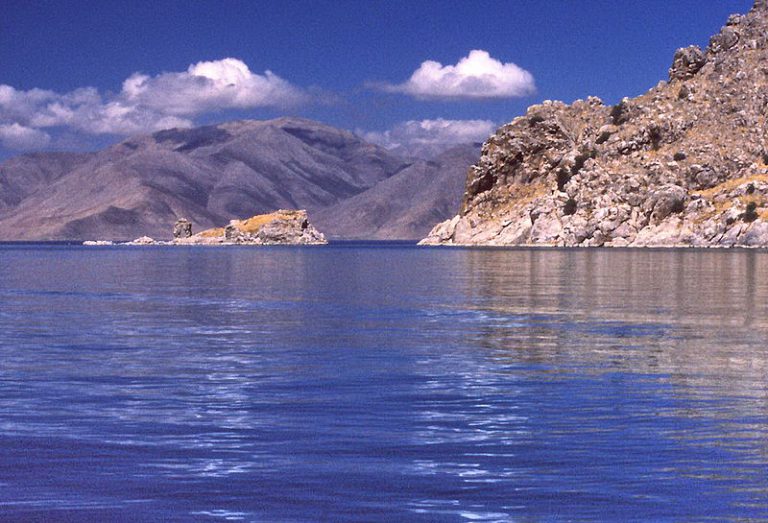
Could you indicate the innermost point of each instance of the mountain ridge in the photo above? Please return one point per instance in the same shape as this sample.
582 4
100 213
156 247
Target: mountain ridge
405 205
209 175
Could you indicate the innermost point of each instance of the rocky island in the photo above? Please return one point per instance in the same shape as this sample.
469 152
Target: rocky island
283 227
685 164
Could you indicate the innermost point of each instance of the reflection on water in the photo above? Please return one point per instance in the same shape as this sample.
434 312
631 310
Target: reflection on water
382 383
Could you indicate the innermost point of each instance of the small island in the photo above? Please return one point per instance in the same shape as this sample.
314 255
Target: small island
282 227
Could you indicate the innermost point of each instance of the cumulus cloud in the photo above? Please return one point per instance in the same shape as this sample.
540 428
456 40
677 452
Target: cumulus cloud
208 86
433 132
84 110
20 138
145 103
476 76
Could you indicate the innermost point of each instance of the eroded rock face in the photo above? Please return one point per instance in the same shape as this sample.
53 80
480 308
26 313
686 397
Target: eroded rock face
681 165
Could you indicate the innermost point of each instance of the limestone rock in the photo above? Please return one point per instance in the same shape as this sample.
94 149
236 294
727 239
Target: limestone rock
664 201
756 235
687 62
684 164
232 232
727 38
143 240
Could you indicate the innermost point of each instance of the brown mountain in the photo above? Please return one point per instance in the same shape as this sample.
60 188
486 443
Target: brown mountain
212 174
684 164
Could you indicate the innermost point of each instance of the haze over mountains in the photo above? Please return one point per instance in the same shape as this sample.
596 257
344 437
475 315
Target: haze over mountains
212 174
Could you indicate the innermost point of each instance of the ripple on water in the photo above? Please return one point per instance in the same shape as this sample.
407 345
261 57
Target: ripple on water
352 384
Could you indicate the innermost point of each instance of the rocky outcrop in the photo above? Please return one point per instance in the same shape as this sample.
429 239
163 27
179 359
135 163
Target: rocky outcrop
685 164
283 227
278 228
687 62
182 229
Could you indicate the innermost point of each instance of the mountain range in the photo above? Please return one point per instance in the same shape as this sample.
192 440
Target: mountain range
213 174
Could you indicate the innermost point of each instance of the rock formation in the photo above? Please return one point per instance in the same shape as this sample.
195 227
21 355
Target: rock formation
182 229
684 164
283 227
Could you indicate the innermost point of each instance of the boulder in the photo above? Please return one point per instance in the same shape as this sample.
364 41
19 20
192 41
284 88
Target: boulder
664 201
687 62
232 232
756 235
182 228
727 38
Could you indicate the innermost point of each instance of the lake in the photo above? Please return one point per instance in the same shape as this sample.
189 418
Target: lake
382 382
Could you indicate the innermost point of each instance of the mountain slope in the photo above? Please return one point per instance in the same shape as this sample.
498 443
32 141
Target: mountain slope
406 205
23 175
683 164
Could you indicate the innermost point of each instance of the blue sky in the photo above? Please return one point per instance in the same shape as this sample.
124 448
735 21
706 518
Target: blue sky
82 74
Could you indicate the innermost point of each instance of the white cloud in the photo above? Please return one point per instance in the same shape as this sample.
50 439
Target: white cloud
83 110
209 86
145 103
20 138
476 76
433 132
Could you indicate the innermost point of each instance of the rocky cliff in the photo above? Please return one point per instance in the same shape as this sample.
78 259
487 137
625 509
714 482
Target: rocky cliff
684 164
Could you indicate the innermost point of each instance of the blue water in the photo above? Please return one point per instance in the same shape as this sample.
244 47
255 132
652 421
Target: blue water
382 383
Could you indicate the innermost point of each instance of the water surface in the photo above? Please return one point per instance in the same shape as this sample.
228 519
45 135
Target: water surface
382 383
